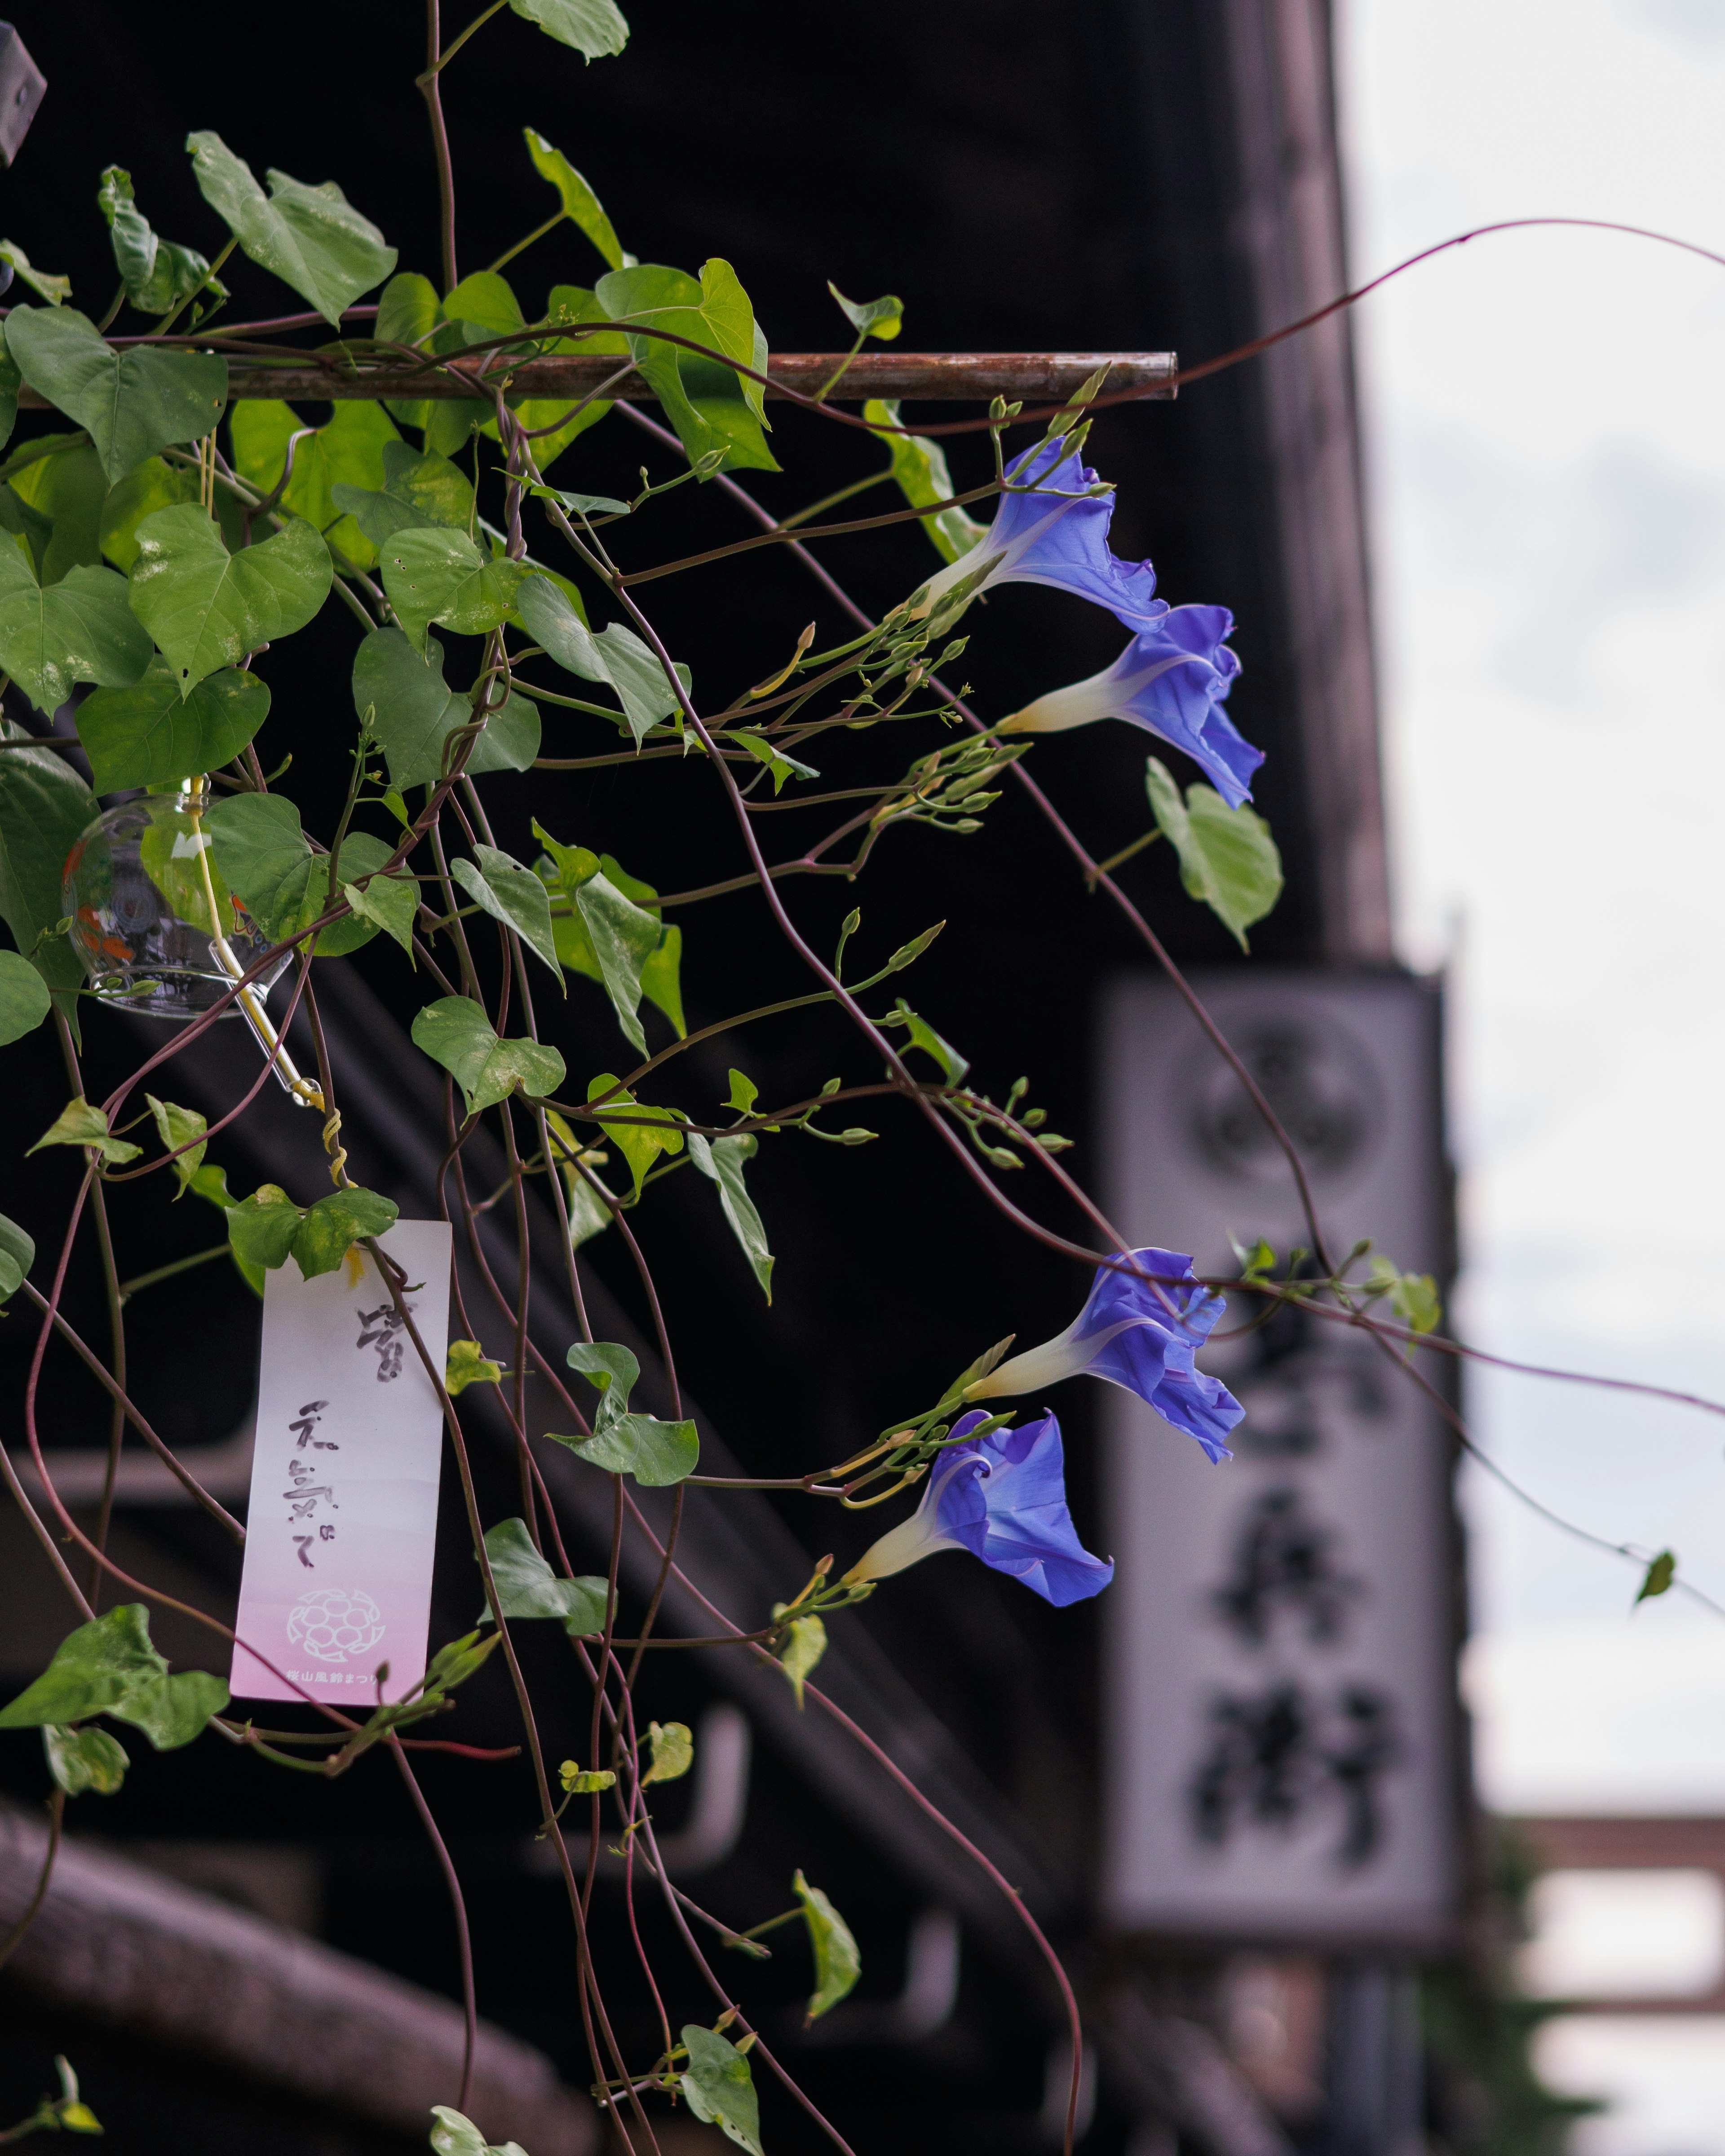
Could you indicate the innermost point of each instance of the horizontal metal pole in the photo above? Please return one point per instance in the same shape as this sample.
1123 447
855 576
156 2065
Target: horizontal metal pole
1040 378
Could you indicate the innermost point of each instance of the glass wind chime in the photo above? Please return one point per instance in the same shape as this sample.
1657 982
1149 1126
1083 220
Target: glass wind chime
158 931
154 924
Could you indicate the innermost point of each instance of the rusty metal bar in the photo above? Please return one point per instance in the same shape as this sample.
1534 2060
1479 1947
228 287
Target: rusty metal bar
1040 378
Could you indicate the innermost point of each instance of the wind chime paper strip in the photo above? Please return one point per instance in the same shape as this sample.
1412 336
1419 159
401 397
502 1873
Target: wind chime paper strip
343 1526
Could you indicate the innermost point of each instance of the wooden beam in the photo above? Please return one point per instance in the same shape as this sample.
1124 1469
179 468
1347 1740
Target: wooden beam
1636 1842
193 1973
1035 377
1614 1842
1288 235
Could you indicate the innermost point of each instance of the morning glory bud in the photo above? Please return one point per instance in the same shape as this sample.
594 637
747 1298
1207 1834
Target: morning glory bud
1058 535
1142 1335
1170 681
1003 1497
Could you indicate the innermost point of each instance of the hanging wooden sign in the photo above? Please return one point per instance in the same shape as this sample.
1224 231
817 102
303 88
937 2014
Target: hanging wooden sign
1283 1726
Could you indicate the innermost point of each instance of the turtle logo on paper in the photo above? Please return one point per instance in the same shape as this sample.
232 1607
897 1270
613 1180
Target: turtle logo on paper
334 1623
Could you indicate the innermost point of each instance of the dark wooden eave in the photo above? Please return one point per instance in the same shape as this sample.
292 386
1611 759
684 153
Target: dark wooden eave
126 1946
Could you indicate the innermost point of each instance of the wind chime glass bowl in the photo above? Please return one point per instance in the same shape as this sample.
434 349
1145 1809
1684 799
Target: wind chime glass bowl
155 927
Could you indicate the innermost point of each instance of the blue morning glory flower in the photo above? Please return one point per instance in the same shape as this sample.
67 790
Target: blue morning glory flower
1058 535
1142 1335
1170 681
1003 1497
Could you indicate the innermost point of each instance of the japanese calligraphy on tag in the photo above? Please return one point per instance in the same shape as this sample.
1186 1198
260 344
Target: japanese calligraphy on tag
342 1525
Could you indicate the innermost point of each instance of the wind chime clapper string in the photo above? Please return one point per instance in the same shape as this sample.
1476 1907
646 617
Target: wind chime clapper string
194 795
303 1092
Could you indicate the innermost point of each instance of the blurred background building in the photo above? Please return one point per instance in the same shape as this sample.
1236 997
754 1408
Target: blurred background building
236 1953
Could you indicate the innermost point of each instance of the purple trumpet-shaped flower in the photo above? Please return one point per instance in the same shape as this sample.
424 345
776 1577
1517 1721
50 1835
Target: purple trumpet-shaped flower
1170 681
1058 535
1142 1335
1003 1497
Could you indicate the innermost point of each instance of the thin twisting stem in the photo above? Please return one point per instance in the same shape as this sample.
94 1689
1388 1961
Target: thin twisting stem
32 1908
469 2005
116 1420
430 84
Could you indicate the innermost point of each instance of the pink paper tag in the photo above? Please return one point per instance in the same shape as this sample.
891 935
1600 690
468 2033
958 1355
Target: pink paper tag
343 1526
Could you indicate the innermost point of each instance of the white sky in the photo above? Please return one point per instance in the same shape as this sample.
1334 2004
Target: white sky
1547 447
1545 433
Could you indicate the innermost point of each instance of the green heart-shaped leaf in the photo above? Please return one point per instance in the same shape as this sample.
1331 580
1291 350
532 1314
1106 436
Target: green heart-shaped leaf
617 656
594 28
335 1223
405 700
58 480
919 465
311 238
261 1228
433 575
514 895
528 1587
394 906
264 857
206 607
649 1131
604 933
411 711
81 1759
456 1033
267 860
611 1368
81 1123
391 903
132 402
24 1000
159 275
416 492
93 1668
175 1125
837 1963
656 1453
721 1160
454 2135
109 1666
721 2089
882 318
80 629
717 413
580 204
1228 858
924 1036
46 284
155 485
800 1655
18 1254
45 807
673 1744
171 1710
349 450
407 308
149 735
466 1364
